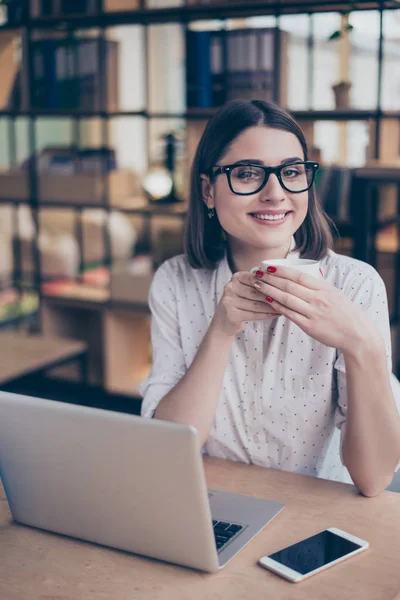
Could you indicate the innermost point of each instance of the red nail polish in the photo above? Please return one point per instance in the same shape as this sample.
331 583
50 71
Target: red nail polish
259 274
269 299
321 272
271 269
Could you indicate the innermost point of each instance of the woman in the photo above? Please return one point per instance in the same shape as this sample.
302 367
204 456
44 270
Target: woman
267 365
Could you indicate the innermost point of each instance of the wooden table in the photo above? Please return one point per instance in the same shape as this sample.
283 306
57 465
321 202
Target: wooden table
36 565
22 354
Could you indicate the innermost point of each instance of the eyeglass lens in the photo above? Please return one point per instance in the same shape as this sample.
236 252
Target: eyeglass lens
246 179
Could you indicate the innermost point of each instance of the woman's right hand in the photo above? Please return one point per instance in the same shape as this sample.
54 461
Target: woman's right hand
241 302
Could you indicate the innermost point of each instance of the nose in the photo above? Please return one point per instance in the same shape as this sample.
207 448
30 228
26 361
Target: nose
272 191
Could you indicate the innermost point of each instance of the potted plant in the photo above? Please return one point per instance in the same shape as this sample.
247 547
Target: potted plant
342 94
341 89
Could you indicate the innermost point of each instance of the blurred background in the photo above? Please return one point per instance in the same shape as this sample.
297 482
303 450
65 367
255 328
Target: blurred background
102 104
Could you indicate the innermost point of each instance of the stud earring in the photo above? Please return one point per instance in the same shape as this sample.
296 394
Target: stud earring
211 213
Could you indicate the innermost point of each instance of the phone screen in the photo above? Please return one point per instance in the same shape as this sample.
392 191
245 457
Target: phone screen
314 552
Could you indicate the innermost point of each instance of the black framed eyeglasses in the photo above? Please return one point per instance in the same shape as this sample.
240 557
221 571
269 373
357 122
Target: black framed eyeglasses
245 179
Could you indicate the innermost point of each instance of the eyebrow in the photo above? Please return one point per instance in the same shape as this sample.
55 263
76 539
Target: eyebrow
257 161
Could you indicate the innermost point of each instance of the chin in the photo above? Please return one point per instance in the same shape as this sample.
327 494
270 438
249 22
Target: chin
271 242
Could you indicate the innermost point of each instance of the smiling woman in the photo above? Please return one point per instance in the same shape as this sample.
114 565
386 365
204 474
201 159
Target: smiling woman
267 365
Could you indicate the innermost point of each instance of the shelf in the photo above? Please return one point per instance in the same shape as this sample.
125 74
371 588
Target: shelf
351 114
92 304
70 113
220 10
390 174
177 209
27 354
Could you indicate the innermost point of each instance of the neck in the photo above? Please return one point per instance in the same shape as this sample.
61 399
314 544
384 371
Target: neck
244 258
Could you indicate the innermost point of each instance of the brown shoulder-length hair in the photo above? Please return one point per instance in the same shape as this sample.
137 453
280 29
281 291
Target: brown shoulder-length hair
205 240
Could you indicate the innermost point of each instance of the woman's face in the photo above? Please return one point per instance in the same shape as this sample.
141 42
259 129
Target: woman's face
266 220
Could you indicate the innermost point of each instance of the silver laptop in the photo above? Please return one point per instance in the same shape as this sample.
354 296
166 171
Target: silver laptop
122 481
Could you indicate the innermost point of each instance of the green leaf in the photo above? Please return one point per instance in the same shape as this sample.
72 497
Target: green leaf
335 35
349 27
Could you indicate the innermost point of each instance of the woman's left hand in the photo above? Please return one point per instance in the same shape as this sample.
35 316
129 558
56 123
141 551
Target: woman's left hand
317 307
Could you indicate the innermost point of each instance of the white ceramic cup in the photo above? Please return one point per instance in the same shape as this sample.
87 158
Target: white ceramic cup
300 264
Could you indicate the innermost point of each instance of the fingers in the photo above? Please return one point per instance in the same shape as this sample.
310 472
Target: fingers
243 278
278 299
250 316
242 286
296 318
258 306
286 286
305 280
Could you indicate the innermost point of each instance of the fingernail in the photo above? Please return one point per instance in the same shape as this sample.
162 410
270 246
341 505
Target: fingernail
269 299
259 273
271 269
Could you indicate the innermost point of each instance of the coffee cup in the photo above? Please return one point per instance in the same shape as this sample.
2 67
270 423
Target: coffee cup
300 264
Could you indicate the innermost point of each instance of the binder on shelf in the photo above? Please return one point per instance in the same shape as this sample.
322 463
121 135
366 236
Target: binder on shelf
235 64
217 60
198 69
57 8
14 12
67 74
77 7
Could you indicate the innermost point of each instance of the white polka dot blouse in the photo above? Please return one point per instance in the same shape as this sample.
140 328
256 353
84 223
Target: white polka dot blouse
283 398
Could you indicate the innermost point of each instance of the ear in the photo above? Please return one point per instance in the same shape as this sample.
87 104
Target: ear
207 191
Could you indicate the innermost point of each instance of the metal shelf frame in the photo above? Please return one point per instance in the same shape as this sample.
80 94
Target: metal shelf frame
102 20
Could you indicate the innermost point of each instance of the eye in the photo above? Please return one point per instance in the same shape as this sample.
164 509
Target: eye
292 171
246 173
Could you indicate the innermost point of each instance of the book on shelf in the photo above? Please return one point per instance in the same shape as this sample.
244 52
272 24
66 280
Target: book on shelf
120 5
67 74
58 8
13 12
10 71
229 2
198 71
231 64
69 160
164 3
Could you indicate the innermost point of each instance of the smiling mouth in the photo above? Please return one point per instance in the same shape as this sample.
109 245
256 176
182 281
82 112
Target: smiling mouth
273 218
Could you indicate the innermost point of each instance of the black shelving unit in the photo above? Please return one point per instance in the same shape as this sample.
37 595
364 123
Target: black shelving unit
186 12
100 20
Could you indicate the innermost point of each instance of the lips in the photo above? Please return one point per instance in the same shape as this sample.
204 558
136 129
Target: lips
270 216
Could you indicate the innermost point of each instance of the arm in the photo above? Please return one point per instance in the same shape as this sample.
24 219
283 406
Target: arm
193 399
371 440
371 444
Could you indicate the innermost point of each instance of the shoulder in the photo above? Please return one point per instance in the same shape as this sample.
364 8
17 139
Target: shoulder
350 275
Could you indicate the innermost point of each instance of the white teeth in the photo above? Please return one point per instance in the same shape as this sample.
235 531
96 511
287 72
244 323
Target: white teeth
269 217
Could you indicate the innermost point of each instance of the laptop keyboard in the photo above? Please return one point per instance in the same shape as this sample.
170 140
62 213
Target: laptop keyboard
224 532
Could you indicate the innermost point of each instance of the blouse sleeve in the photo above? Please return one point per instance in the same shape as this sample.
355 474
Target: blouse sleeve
370 294
168 359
